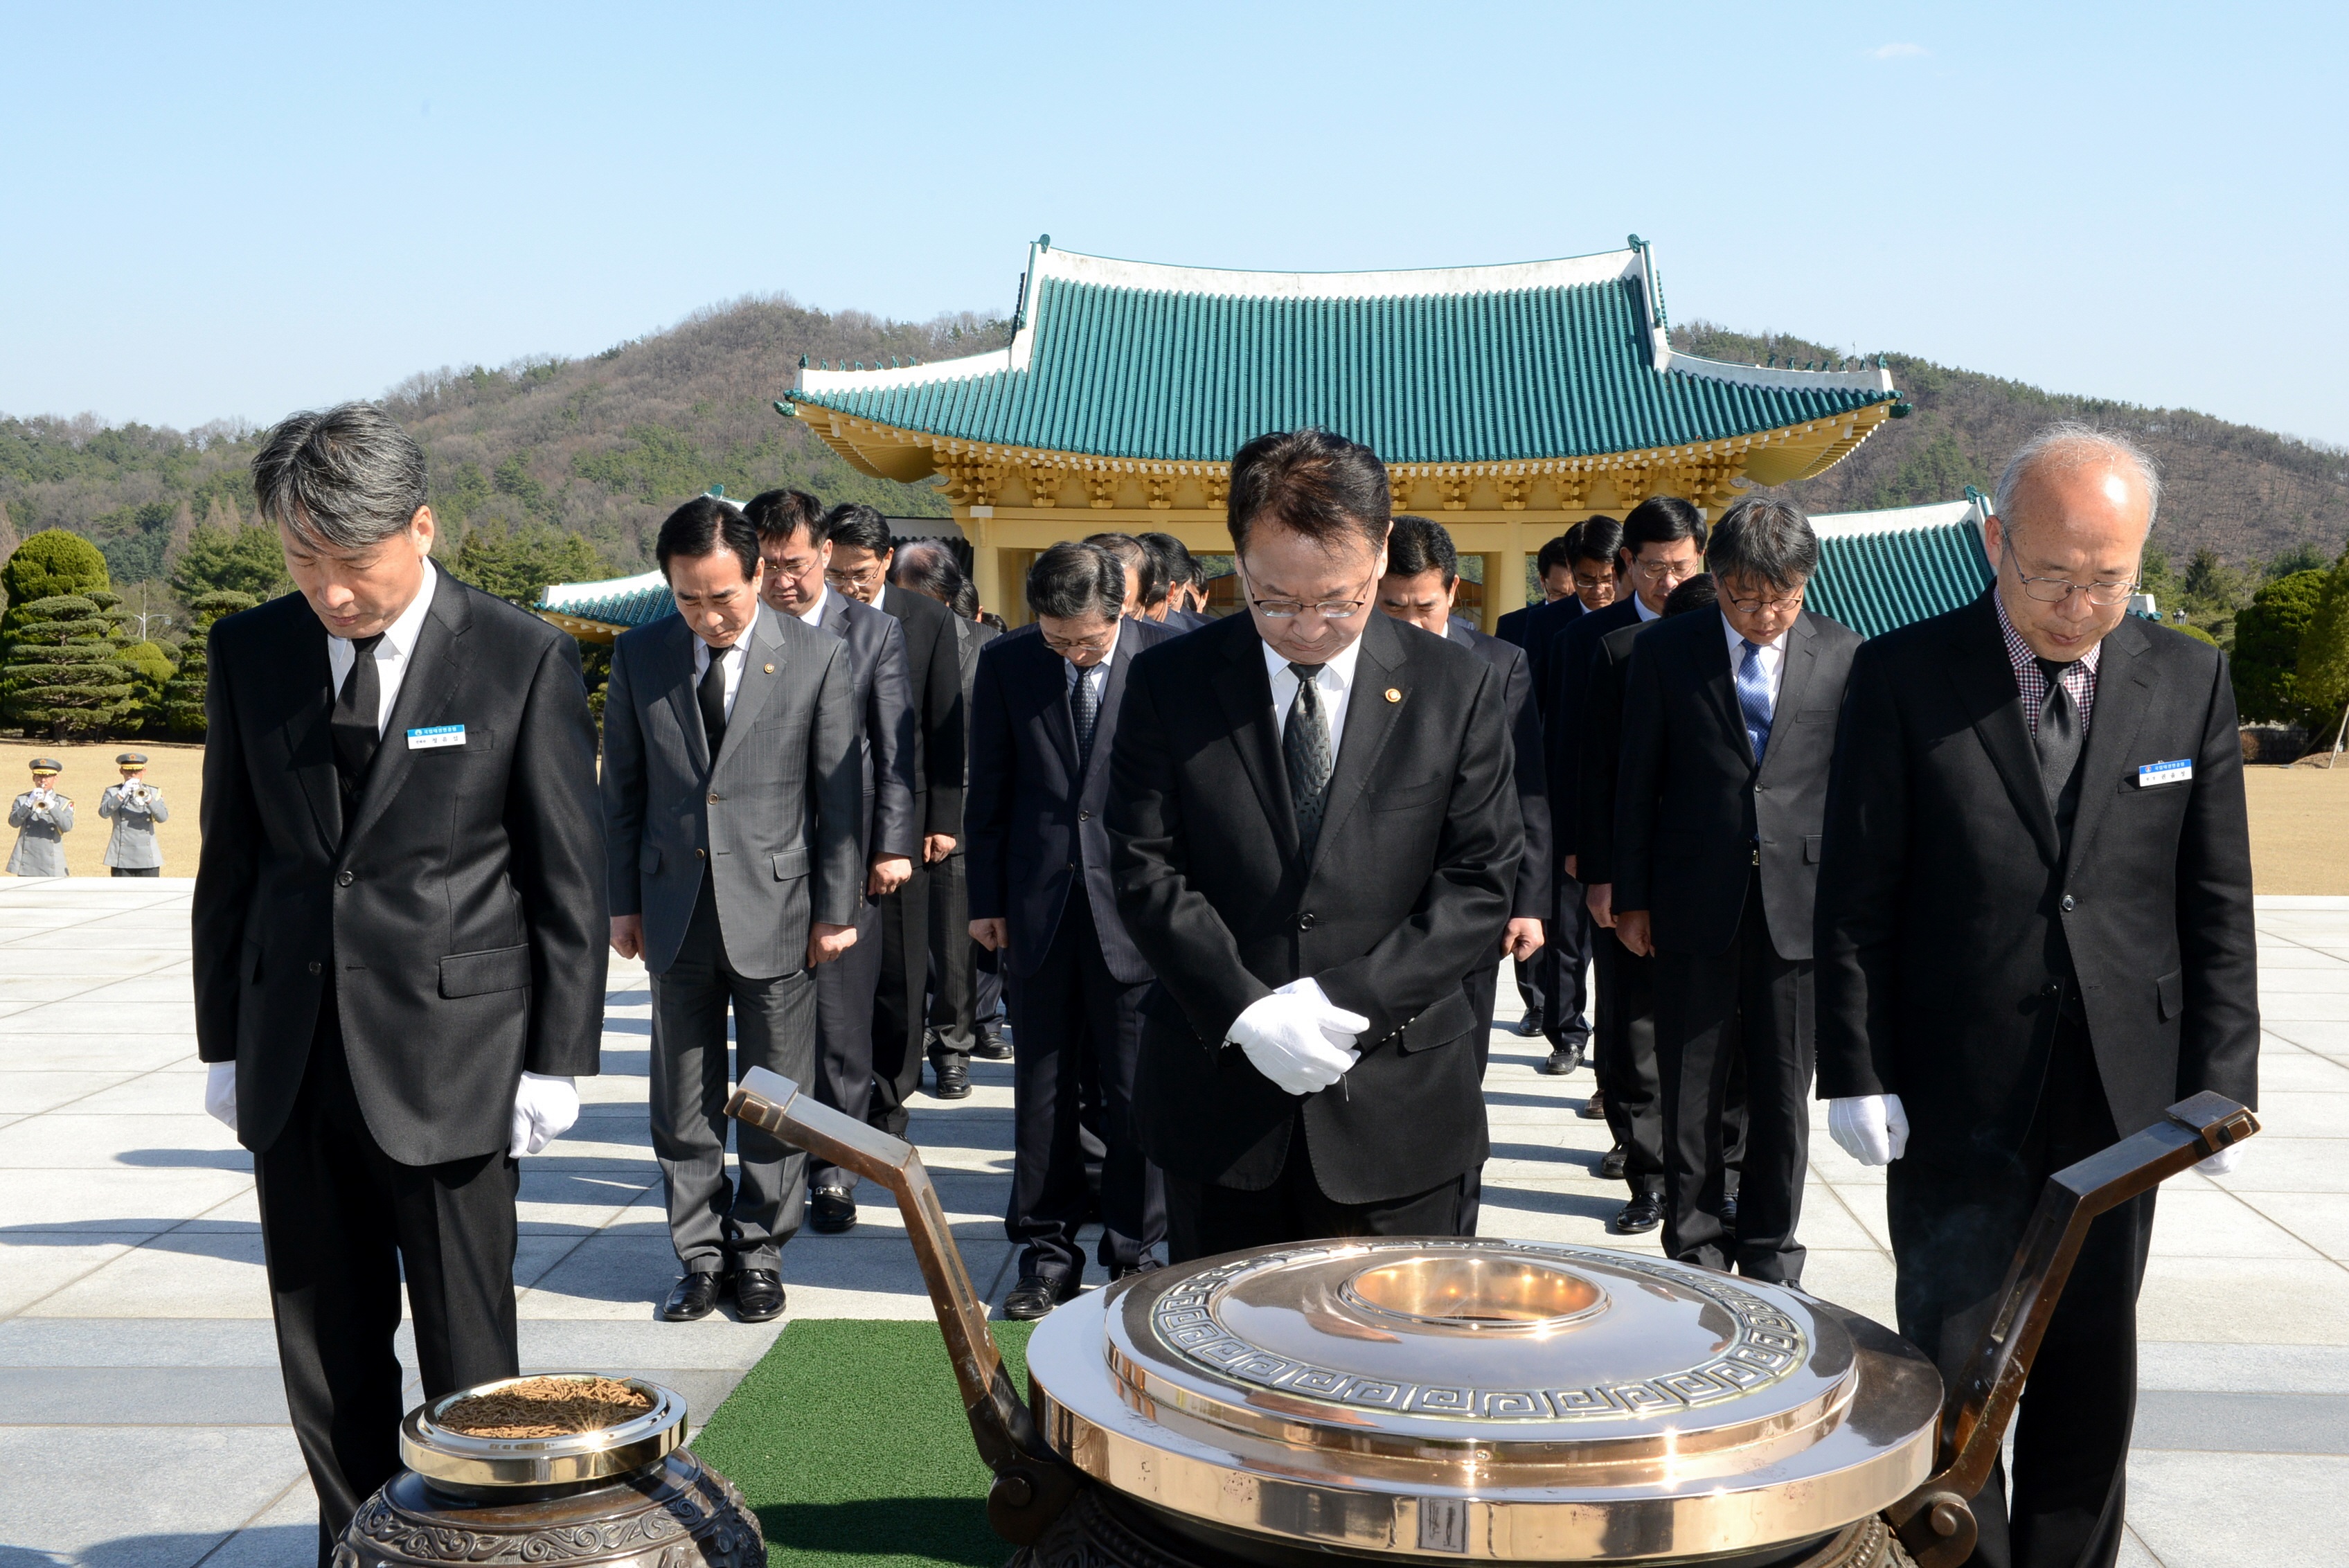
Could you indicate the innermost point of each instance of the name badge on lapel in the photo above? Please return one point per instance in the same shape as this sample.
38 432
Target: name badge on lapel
2154 773
437 737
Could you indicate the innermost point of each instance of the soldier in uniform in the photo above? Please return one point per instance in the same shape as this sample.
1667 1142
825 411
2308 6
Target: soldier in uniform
42 817
134 807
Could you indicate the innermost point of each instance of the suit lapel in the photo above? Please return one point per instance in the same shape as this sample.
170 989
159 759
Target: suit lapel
1370 719
1984 678
2124 697
1105 722
435 666
676 669
1719 678
1247 698
307 696
764 654
1054 711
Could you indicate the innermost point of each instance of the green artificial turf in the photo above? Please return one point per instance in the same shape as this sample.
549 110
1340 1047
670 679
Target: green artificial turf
849 1441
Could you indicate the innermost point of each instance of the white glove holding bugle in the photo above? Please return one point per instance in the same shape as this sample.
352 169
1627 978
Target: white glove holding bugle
1298 1038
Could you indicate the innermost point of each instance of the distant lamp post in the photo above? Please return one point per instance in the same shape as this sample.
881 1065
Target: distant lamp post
158 620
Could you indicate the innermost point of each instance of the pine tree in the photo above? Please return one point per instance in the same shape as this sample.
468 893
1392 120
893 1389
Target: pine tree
245 559
184 695
2323 672
64 671
2267 647
183 527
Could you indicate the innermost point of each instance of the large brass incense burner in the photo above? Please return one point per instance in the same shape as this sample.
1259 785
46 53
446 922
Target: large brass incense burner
1420 1399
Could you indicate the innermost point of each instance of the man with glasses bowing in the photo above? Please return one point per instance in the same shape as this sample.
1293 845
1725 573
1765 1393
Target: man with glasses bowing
1728 727
1316 835
2034 934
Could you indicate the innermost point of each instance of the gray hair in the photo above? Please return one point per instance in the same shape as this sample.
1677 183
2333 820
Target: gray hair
347 478
1766 539
2070 444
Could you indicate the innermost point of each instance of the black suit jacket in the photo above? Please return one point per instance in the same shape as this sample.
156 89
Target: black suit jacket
462 907
933 690
1511 628
1691 806
889 738
1534 875
1544 625
1572 654
1409 888
1034 820
1597 748
1948 917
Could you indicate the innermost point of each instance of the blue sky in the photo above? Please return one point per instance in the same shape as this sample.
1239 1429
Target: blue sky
235 212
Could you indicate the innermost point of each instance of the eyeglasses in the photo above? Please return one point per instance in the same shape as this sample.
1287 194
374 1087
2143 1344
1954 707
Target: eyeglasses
1098 643
1667 571
783 569
853 576
2055 590
1327 609
1793 601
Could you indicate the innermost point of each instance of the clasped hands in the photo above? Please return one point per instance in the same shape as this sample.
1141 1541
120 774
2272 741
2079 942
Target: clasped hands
1298 1038
545 1108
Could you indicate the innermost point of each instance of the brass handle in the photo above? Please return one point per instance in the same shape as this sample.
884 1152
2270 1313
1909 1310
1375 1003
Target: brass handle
1936 1521
1033 1484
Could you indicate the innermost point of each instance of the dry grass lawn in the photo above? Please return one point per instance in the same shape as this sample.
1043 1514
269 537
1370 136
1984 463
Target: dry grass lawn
2300 817
175 768
2300 828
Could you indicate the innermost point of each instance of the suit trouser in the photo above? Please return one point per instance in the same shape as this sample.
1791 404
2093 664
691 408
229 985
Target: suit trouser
713 1221
136 870
1483 986
844 995
1626 1064
901 1001
1714 1010
954 976
1564 963
1955 1230
1204 1217
1071 1016
341 1222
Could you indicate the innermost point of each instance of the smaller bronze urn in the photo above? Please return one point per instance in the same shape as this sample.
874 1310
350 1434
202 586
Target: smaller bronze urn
627 1496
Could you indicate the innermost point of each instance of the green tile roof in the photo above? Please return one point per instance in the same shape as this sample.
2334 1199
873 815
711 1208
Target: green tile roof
623 601
1878 570
1543 359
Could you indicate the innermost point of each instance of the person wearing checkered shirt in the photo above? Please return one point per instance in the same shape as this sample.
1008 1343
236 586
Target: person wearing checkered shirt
2033 936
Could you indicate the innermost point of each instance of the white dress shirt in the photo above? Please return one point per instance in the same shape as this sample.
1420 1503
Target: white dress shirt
1639 606
1334 681
392 655
813 614
1773 656
733 657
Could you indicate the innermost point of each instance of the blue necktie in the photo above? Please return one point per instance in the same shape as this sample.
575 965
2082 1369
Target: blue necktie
1753 698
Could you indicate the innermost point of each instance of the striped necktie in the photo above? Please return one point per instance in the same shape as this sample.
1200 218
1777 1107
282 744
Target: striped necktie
1753 698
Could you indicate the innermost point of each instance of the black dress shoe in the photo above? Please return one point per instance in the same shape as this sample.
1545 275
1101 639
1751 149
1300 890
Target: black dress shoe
1729 1213
1562 1059
759 1295
830 1211
1593 1109
1530 1024
1034 1297
1644 1212
992 1048
1612 1164
695 1296
1128 1271
952 1079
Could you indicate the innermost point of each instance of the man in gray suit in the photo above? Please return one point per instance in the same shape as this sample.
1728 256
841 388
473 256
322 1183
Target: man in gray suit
731 810
795 546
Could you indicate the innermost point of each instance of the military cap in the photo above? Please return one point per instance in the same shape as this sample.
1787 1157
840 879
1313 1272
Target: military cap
48 765
131 760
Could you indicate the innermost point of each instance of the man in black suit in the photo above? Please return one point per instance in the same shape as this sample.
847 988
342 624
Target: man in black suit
860 556
796 554
1660 546
1630 1101
1317 837
733 831
1045 709
1177 569
2034 934
399 936
1728 728
927 567
1557 581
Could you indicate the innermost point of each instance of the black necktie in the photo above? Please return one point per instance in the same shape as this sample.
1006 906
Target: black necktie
2059 733
353 723
1084 709
712 694
1305 747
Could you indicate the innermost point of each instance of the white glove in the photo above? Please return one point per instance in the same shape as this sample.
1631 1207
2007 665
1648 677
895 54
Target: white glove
219 1093
1296 1039
2223 1162
1872 1128
543 1110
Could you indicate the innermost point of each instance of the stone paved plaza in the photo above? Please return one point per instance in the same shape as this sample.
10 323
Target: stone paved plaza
144 1426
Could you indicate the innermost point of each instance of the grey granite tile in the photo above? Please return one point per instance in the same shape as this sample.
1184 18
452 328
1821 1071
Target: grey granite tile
2201 1510
141 1397
196 1485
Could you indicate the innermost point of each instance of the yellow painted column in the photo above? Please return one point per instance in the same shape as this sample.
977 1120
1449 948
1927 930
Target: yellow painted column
986 560
1505 581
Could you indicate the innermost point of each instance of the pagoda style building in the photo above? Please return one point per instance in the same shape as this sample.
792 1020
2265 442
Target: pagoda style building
1508 403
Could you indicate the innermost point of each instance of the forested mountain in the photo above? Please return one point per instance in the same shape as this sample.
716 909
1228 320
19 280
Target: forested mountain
565 465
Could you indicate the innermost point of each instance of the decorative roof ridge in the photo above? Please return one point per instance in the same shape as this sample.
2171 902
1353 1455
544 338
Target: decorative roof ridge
1874 378
1973 512
566 595
814 378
